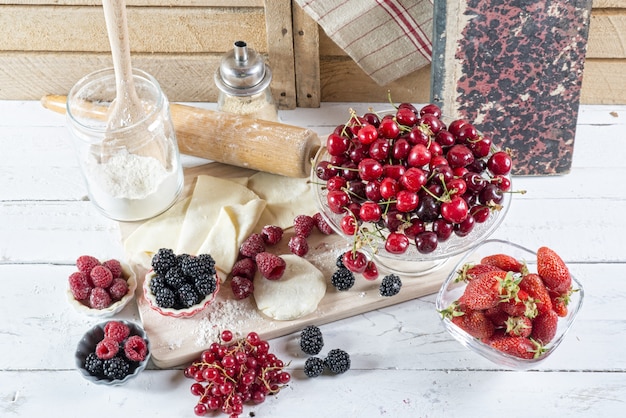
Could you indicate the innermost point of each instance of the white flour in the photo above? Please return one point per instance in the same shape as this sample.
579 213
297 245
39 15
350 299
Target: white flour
130 187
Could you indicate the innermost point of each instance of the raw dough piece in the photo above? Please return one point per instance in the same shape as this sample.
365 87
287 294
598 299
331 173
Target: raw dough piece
234 224
208 198
159 232
286 198
297 293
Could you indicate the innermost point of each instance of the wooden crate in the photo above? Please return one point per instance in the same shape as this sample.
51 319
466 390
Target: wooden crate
47 45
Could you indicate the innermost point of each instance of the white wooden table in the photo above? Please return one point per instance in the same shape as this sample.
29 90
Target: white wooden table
403 362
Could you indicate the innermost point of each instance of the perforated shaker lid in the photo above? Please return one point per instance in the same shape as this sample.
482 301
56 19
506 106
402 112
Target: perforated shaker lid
242 71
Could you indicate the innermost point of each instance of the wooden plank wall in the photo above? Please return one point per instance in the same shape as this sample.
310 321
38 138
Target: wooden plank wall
47 45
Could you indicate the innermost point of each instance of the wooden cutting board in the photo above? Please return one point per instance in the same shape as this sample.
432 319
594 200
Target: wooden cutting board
515 69
178 341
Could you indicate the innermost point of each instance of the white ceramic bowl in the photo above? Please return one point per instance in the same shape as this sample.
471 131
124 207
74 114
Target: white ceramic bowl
452 289
412 262
115 307
178 313
88 343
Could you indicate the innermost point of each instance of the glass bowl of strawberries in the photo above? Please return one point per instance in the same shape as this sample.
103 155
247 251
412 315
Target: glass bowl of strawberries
510 304
409 188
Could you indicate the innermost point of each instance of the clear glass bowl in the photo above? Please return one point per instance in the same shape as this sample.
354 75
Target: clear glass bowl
88 343
412 262
451 290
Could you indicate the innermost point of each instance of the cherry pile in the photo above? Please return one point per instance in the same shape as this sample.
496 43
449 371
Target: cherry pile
407 178
231 373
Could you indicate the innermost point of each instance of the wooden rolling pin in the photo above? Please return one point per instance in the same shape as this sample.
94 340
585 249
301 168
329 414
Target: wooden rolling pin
257 144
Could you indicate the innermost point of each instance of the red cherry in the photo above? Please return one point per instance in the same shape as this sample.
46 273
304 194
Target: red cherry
467 132
400 149
415 227
396 243
445 138
437 160
372 119
388 128
413 179
435 148
372 191
433 122
379 149
455 126
336 144
367 134
459 156
348 224
358 153
370 169
324 170
504 183
388 188
480 213
406 116
395 171
426 242
370 212
500 163
455 210
419 156
336 183
418 136
371 271
480 147
406 201
337 200
443 229
355 261
456 186
462 229
431 109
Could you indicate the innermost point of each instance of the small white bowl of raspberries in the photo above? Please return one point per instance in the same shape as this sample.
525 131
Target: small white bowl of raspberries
112 352
100 288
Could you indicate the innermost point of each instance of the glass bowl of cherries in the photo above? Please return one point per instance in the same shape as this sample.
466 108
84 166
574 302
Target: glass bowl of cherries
409 188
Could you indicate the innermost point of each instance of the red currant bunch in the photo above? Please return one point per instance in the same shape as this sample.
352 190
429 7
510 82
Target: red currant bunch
231 373
406 179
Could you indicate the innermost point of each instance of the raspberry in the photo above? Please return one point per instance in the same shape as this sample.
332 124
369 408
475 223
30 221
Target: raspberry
303 225
117 331
101 276
253 245
93 364
337 361
311 340
322 225
135 348
342 279
80 285
116 368
242 287
313 366
272 234
298 245
390 285
163 260
85 263
115 266
246 267
107 348
270 266
118 289
99 298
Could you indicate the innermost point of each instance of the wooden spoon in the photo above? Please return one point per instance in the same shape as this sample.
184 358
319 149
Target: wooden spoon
127 108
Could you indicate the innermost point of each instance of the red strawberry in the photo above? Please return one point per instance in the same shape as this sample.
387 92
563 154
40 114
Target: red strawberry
544 327
270 265
470 272
534 286
521 347
475 323
486 290
504 262
559 303
553 271
520 305
497 316
519 326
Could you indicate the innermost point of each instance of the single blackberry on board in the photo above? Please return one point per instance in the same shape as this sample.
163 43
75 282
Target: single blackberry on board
313 366
115 368
342 279
163 260
390 285
93 364
311 340
337 361
205 283
188 295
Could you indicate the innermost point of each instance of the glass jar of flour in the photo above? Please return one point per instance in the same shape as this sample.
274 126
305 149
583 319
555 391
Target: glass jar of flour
243 79
134 172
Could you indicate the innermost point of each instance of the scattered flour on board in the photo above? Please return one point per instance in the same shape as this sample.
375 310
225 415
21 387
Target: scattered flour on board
230 314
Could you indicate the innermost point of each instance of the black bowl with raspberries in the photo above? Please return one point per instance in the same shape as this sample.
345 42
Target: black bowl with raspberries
112 352
410 188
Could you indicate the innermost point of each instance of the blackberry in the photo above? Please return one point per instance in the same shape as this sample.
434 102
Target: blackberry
188 296
115 368
196 266
311 340
205 284
313 366
93 364
175 278
165 298
390 285
337 361
163 260
339 262
342 279
157 284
